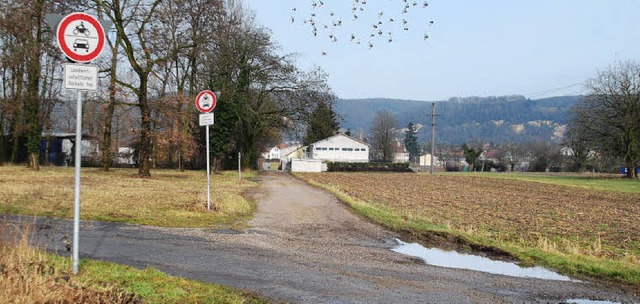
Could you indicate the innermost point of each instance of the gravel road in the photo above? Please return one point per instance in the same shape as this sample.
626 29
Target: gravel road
304 246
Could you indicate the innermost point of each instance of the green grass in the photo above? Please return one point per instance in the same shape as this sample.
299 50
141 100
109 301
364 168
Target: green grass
154 286
616 271
587 181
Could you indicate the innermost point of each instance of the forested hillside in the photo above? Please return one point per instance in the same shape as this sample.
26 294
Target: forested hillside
489 119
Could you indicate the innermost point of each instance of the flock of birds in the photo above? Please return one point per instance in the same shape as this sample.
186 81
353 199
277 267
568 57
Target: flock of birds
327 23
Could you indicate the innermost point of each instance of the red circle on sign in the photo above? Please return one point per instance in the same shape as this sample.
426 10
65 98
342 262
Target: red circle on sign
206 108
66 49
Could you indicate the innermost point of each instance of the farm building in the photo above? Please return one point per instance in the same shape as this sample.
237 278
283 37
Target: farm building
339 148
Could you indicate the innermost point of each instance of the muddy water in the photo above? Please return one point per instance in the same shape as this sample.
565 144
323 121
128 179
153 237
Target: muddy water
452 259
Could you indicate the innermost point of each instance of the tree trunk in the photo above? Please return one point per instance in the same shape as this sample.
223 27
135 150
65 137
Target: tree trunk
17 123
15 148
630 168
180 161
144 169
32 102
2 138
46 149
107 154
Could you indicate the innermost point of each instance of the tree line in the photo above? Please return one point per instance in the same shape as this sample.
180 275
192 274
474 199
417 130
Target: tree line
159 55
603 134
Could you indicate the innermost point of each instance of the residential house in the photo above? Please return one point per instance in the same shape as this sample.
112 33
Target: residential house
400 153
274 152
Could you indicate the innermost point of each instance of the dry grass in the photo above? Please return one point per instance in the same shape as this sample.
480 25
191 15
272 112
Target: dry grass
28 276
169 198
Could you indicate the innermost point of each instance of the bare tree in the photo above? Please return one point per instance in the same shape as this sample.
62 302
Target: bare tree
610 115
140 25
28 68
447 155
578 144
383 136
544 156
510 154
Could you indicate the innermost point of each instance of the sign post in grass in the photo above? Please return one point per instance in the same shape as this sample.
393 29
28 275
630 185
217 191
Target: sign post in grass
81 38
205 102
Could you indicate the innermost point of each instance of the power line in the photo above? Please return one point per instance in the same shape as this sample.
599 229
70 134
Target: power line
547 91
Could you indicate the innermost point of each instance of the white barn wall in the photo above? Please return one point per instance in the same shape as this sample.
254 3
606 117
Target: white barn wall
340 148
307 165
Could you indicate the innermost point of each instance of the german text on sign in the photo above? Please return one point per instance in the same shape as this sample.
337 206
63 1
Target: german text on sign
80 77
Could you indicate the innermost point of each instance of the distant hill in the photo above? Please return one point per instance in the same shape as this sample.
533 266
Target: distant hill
489 119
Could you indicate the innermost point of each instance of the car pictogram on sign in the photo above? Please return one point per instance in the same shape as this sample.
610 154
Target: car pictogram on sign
81 44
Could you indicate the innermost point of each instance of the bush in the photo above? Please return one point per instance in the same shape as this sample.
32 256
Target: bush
368 167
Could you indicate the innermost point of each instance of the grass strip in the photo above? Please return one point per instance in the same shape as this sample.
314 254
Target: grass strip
612 183
622 272
154 286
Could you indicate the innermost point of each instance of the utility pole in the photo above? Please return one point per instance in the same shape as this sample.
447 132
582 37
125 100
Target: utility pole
433 134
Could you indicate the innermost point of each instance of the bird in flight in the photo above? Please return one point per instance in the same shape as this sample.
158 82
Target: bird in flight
327 21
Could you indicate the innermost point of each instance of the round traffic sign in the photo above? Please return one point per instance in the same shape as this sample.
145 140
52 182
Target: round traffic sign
206 101
80 37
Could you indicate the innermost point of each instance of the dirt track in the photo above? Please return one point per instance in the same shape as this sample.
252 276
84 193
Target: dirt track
304 246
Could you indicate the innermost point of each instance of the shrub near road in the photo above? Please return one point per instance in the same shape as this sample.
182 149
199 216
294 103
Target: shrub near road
577 231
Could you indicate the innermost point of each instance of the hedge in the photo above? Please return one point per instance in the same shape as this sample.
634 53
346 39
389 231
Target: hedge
367 167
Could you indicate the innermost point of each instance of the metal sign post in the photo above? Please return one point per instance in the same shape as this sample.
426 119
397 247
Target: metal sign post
80 77
205 102
208 173
78 159
81 37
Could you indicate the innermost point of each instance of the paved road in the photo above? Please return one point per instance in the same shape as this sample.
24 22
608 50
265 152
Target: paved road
306 247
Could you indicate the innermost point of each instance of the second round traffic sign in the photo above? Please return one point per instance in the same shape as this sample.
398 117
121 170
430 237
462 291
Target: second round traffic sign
80 37
206 101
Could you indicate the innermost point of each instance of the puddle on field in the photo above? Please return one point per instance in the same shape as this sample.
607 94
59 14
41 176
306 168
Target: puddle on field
587 301
452 259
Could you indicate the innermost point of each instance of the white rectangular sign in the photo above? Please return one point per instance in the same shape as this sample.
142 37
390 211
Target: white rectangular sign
206 119
80 77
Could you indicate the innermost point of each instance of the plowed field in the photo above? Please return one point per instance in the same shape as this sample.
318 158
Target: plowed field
576 220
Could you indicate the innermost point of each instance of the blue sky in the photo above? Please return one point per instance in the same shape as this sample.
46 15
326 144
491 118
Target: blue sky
475 48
